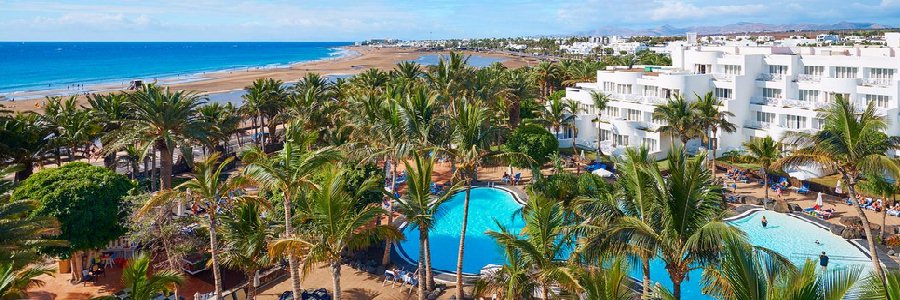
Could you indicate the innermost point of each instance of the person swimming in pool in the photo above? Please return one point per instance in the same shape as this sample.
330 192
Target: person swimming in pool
823 260
764 222
818 243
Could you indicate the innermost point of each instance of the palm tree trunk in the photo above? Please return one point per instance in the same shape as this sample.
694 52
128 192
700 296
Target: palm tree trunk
870 239
165 170
429 275
251 291
214 251
462 241
422 277
153 175
514 113
109 161
765 186
336 276
714 147
292 259
645 282
386 257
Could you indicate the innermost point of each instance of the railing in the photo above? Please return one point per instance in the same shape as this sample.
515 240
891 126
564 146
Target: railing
758 124
723 77
627 97
882 82
765 101
654 100
723 99
770 77
809 78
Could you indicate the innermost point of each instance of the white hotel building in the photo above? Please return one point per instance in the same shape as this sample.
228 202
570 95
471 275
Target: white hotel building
770 91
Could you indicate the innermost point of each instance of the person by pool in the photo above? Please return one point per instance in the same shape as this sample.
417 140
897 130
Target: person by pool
764 222
823 260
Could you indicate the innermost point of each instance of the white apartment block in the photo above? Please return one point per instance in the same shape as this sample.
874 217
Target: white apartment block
770 90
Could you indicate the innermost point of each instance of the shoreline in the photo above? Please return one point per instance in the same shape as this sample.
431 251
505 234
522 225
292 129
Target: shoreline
357 59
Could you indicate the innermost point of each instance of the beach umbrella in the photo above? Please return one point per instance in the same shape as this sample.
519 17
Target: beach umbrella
819 200
837 189
602 173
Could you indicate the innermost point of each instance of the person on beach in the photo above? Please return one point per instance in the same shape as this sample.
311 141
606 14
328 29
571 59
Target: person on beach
823 261
765 222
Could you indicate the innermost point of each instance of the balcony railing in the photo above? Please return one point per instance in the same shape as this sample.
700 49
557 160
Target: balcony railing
651 100
770 77
809 78
627 97
723 77
765 101
758 124
882 82
723 99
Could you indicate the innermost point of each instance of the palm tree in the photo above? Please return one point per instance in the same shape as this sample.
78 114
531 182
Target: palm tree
145 286
599 100
635 203
110 111
23 142
680 118
511 281
333 223
265 99
690 232
877 184
608 283
755 273
420 208
541 241
557 114
288 172
546 74
208 191
712 119
764 152
246 235
162 121
851 142
873 287
15 280
223 122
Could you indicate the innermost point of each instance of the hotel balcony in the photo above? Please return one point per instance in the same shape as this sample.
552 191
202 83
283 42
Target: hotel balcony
723 77
758 125
724 99
879 82
809 78
651 100
804 104
770 101
770 77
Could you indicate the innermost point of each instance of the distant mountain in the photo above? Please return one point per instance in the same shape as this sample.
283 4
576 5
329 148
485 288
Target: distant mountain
743 27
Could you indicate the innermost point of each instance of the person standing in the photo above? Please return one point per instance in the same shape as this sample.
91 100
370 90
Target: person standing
764 222
823 261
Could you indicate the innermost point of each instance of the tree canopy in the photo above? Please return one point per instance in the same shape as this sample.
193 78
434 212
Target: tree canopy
534 141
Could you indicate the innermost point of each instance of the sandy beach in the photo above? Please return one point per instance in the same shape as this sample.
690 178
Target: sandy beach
361 59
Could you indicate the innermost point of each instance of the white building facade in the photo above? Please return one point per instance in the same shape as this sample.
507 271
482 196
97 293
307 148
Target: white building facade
770 91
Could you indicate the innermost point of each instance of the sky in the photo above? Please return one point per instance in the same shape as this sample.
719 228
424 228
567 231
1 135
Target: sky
339 20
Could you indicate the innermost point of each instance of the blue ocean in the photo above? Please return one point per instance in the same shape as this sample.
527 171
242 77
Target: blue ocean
29 66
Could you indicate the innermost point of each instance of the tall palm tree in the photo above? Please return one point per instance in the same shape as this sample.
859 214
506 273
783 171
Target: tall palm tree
223 121
23 142
599 100
541 241
634 203
609 282
136 276
888 288
162 121
557 114
15 280
712 119
511 281
288 172
680 119
878 184
420 208
755 273
764 152
851 142
333 223
546 74
209 191
246 236
690 231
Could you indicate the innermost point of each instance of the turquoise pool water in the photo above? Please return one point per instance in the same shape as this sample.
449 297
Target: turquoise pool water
787 235
485 206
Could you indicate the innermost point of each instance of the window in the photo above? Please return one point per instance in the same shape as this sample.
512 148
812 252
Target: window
632 114
795 122
621 140
669 93
878 100
605 135
835 95
650 90
609 86
817 123
881 73
723 93
649 143
771 93
623 89
844 72
612 111
733 69
814 70
809 95
765 117
702 69
778 69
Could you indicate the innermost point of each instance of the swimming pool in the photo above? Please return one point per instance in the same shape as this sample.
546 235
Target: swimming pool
485 206
790 236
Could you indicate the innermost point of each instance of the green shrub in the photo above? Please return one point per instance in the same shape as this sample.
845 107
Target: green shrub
533 141
87 200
